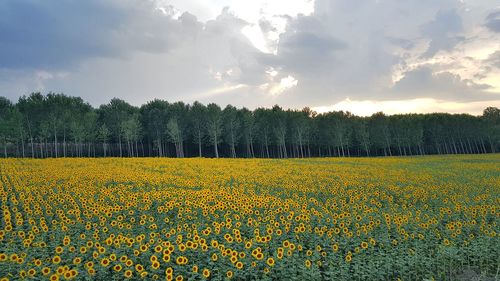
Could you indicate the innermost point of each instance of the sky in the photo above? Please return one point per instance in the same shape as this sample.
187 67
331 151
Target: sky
362 56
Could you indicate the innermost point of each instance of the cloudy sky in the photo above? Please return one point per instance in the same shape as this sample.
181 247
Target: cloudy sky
362 56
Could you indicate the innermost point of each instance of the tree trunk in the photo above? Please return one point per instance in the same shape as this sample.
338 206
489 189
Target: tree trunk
160 149
199 143
120 145
454 146
267 147
64 143
41 148
284 147
215 147
5 147
22 141
32 148
482 146
55 140
233 151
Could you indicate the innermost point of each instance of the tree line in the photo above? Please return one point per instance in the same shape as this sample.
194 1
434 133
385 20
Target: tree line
57 125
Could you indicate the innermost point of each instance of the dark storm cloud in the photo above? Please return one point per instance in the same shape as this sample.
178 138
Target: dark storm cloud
55 34
493 21
423 82
306 47
442 32
494 59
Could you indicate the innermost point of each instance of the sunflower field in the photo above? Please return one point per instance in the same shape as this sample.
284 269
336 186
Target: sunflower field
415 218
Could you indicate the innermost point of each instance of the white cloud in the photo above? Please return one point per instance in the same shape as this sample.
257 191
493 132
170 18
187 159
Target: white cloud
284 84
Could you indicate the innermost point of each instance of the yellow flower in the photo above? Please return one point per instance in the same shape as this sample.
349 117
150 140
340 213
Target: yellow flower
56 259
206 273
128 273
105 262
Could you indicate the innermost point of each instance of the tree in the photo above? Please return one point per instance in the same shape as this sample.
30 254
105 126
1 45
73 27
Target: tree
299 122
131 129
113 115
231 126
174 133
57 125
248 130
90 131
103 137
33 110
214 126
280 129
491 117
7 122
77 130
263 127
361 135
197 118
177 126
379 132
153 116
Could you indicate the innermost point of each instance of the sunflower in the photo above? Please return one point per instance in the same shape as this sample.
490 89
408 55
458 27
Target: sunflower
105 262
31 272
335 247
139 268
59 249
348 258
128 273
56 259
67 275
206 273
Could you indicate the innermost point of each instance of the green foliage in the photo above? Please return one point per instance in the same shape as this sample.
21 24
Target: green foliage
58 125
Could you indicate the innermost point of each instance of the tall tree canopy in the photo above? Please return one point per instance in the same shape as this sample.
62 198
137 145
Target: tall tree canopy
57 125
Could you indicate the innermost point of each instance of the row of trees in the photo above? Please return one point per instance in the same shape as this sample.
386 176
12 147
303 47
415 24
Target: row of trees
56 125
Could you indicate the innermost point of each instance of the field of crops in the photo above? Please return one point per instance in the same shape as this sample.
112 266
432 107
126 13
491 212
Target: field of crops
337 219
